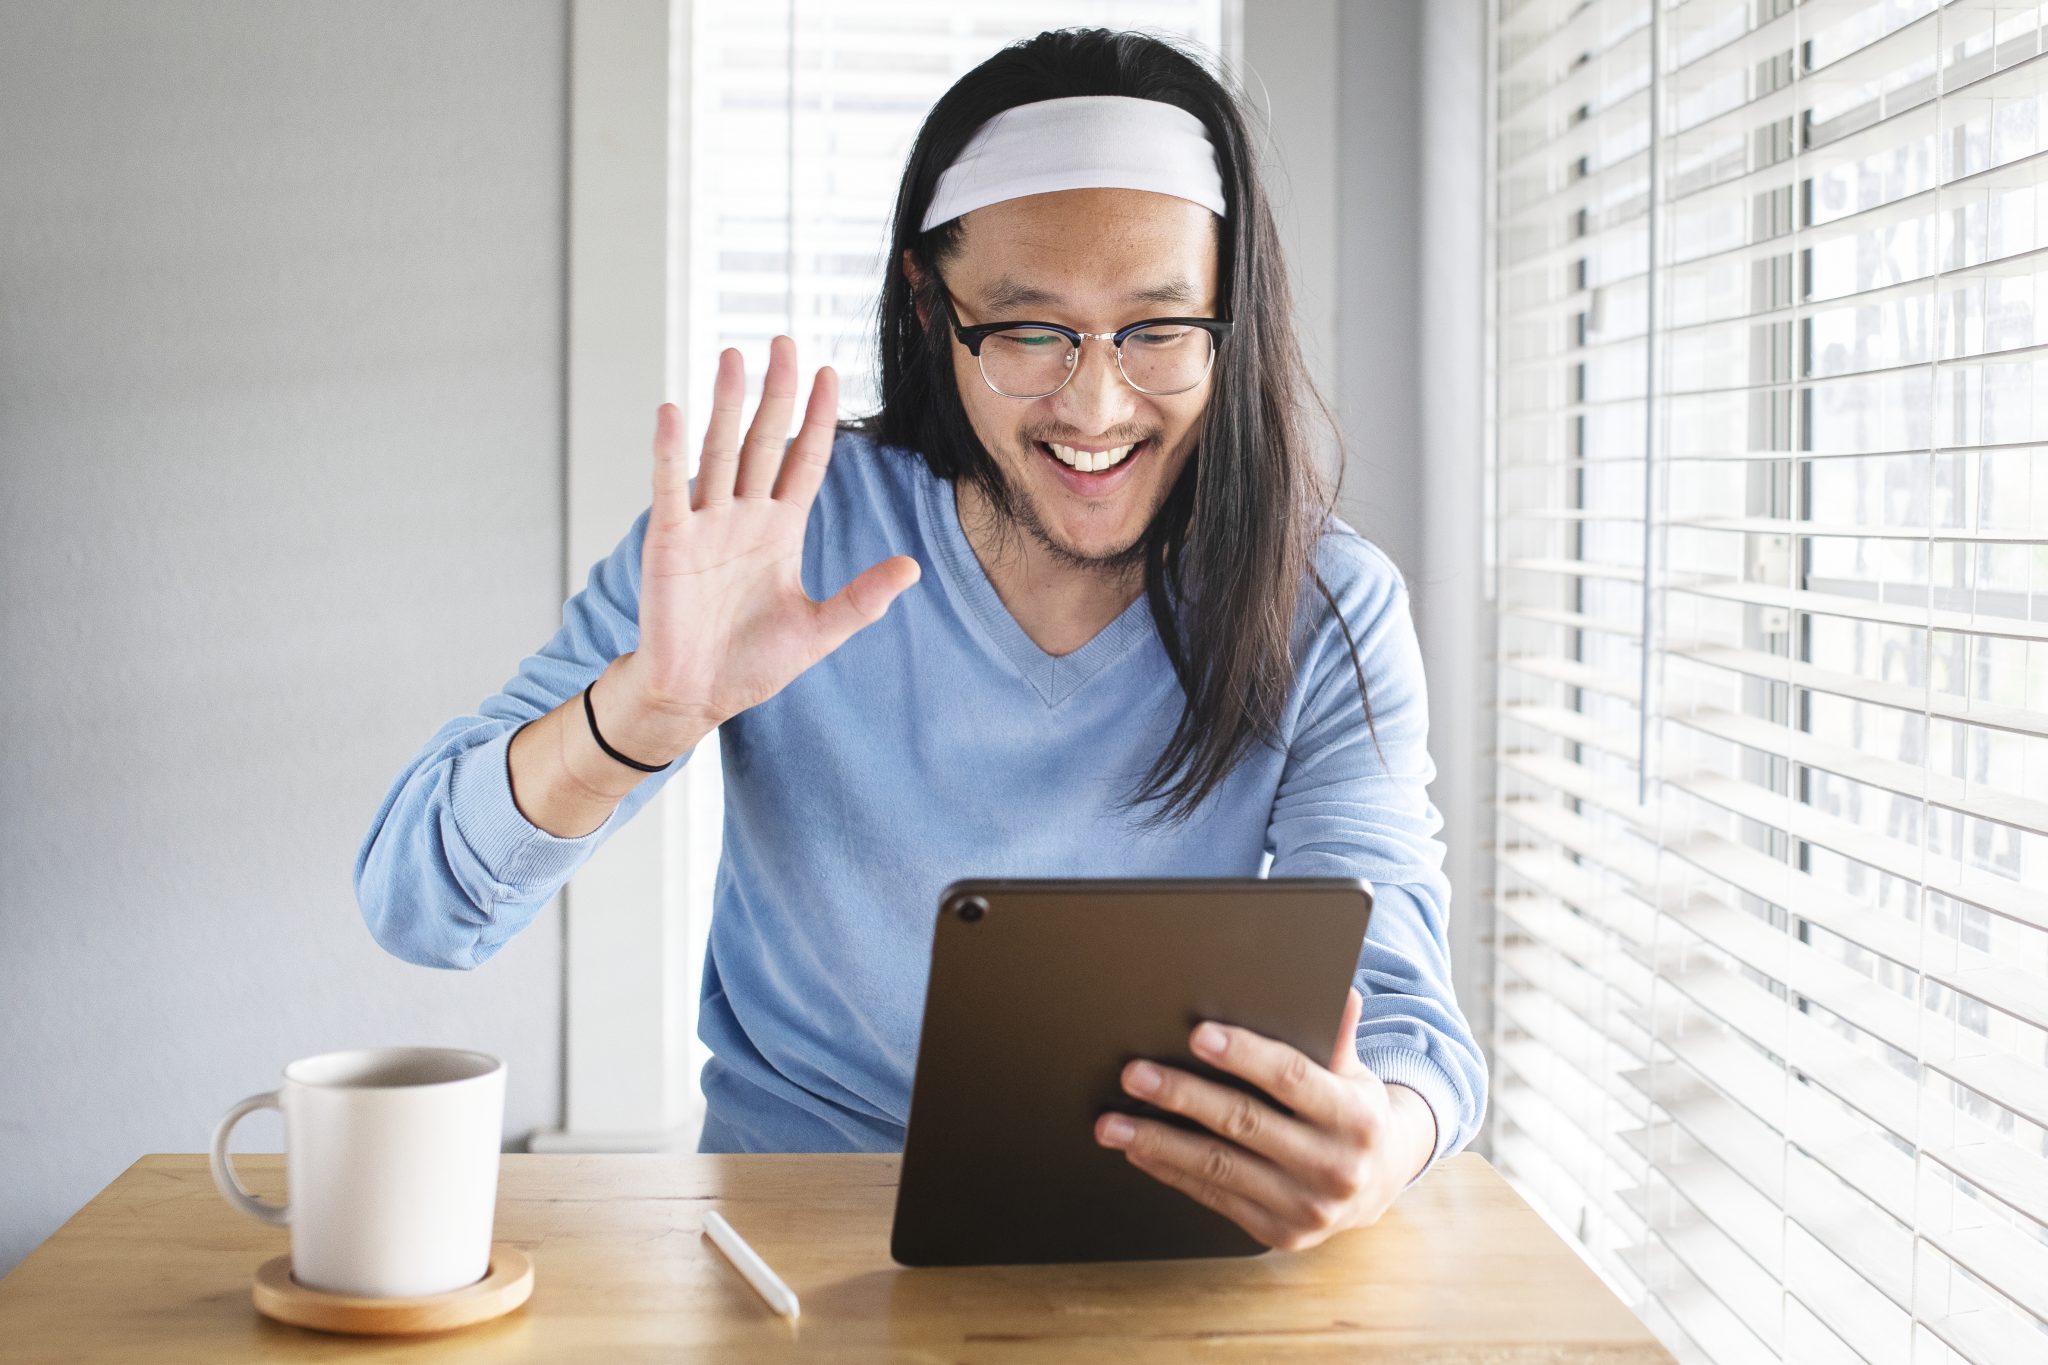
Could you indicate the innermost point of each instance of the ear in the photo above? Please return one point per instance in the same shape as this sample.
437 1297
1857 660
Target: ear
916 278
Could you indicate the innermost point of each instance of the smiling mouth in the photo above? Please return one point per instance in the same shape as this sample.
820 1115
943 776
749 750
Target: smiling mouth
1091 461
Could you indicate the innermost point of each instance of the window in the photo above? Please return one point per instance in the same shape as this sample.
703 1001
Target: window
1770 488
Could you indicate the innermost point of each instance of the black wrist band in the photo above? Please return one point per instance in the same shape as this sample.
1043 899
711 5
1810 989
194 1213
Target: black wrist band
591 712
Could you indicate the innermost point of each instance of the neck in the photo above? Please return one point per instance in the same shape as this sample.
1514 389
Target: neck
1061 605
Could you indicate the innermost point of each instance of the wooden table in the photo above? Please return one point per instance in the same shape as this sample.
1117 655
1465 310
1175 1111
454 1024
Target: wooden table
158 1268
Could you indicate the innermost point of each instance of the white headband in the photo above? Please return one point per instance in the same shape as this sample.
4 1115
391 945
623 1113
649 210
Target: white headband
1081 142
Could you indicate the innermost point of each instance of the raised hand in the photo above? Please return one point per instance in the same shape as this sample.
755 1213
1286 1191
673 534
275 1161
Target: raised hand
724 620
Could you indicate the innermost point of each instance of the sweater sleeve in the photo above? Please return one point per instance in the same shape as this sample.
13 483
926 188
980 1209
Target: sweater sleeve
450 868
1353 802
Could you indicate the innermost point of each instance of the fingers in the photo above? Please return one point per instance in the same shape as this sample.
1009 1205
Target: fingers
762 454
722 436
1243 1187
803 465
1244 1119
728 468
862 602
1288 1074
671 478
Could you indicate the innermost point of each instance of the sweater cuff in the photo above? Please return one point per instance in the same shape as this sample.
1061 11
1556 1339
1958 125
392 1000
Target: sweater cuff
518 854
1426 1077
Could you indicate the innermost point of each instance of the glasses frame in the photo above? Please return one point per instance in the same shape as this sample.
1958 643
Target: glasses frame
972 337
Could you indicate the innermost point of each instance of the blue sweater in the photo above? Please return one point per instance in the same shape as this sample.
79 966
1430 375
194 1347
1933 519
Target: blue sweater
942 743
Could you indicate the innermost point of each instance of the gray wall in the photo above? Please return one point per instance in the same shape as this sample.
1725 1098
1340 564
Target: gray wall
1455 618
1410 389
1379 179
1290 78
1375 110
280 491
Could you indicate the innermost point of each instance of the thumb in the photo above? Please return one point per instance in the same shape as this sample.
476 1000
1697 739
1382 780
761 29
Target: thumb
862 602
1344 1056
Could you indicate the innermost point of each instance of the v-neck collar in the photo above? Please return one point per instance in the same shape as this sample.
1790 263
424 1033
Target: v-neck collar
1055 677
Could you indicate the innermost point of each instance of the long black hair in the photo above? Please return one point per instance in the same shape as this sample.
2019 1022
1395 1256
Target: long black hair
1224 598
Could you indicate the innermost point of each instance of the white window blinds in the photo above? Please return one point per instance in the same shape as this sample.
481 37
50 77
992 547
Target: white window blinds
1770 477
804 112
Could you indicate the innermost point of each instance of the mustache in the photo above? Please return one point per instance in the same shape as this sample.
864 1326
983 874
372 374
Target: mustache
1084 440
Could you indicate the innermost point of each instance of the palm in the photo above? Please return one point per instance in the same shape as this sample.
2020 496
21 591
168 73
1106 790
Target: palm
724 619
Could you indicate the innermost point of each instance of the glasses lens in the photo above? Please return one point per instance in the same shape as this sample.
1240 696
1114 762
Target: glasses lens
1167 359
1026 362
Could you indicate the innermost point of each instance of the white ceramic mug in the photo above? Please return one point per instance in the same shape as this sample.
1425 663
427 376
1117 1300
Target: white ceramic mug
391 1168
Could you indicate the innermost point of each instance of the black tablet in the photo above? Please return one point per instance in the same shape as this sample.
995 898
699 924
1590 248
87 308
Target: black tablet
1040 993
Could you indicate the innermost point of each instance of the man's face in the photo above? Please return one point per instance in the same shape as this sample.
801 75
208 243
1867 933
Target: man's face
1094 260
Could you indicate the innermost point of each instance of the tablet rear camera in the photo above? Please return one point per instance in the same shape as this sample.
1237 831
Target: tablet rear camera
970 908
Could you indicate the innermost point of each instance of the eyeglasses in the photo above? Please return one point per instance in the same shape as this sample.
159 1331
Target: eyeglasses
1036 359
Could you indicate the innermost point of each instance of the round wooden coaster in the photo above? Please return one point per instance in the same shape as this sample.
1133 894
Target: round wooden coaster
502 1289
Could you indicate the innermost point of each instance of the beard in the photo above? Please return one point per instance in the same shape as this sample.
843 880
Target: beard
1017 511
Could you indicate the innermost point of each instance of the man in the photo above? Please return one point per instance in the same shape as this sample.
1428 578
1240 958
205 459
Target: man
1071 604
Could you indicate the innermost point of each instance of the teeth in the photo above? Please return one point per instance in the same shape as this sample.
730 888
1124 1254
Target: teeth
1088 462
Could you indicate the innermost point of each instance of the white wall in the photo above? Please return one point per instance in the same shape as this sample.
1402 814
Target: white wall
280 491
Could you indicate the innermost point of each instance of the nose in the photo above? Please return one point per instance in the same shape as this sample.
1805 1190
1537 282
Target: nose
1095 398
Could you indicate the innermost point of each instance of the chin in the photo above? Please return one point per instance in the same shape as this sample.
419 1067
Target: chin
1093 544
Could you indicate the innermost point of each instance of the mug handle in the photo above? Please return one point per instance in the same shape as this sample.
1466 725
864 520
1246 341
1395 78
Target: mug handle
224 1174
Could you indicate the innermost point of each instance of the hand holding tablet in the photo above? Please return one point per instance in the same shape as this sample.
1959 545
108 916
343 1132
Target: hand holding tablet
1044 994
1291 1179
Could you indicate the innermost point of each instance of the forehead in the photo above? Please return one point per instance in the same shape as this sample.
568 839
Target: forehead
1084 249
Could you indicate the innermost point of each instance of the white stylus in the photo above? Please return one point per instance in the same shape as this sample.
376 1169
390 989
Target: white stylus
749 1263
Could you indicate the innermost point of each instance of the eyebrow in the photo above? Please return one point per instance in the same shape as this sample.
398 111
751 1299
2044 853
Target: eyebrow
1007 293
